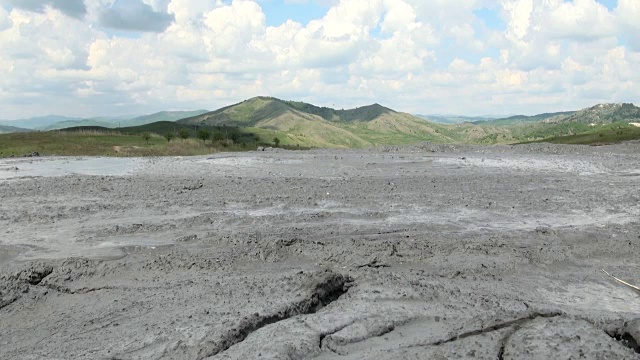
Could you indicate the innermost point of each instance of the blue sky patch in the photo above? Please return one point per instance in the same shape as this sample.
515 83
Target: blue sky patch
279 11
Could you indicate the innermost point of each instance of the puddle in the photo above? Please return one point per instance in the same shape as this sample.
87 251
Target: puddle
236 161
101 166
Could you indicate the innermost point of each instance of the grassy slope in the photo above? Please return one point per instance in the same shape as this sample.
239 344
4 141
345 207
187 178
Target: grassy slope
309 125
602 134
93 143
522 119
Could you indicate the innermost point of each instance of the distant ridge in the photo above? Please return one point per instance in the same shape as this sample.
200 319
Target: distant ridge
455 119
12 129
38 121
523 119
56 122
601 114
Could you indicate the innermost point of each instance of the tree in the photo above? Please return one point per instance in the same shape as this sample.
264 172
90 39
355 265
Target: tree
146 136
204 134
169 136
276 141
218 136
184 134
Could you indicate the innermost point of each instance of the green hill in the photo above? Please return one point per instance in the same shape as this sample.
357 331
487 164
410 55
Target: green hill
159 116
454 119
37 122
4 129
118 122
262 119
597 135
602 114
161 128
522 119
75 123
310 125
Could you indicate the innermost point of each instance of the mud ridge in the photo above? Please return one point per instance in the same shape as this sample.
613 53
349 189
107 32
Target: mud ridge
66 290
322 345
328 290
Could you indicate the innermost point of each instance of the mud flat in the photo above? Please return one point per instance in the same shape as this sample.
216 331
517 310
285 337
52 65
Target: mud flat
418 252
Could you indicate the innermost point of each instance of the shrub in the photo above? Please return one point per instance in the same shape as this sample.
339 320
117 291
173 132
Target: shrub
218 136
276 141
146 136
169 136
184 134
203 134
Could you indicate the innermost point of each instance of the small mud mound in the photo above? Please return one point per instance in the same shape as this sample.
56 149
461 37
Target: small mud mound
563 338
14 284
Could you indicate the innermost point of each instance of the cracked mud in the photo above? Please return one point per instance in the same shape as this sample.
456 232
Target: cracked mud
417 252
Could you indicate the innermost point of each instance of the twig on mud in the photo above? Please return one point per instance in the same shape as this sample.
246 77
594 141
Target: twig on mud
374 263
622 281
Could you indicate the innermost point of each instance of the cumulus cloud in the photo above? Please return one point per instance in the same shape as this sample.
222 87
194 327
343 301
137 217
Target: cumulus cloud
135 15
413 55
628 13
73 8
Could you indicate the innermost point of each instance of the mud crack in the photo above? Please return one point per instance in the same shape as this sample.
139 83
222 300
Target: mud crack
66 290
326 291
516 323
628 335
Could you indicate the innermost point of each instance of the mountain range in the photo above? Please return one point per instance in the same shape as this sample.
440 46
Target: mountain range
299 123
56 122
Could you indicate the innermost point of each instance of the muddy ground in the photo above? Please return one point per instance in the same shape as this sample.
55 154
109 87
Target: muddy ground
419 252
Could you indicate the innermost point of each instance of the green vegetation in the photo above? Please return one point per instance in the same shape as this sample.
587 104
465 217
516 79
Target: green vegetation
267 121
146 136
57 123
523 119
259 109
204 135
599 135
184 134
97 141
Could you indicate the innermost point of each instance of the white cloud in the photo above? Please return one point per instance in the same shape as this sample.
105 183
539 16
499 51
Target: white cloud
413 55
628 13
73 8
135 15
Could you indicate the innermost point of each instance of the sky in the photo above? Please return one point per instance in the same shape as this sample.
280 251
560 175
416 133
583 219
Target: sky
466 57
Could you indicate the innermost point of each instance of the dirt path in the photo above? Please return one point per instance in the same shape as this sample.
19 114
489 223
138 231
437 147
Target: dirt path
428 251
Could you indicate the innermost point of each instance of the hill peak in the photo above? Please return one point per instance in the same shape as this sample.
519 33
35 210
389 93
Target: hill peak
261 108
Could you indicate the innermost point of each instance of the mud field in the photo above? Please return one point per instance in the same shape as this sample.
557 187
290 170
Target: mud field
420 252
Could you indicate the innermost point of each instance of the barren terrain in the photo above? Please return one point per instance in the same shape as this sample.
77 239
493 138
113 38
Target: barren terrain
417 252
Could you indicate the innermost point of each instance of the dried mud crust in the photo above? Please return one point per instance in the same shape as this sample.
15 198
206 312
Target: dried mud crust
428 251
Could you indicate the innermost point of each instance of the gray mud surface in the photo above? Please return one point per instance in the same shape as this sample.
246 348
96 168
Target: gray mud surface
419 252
